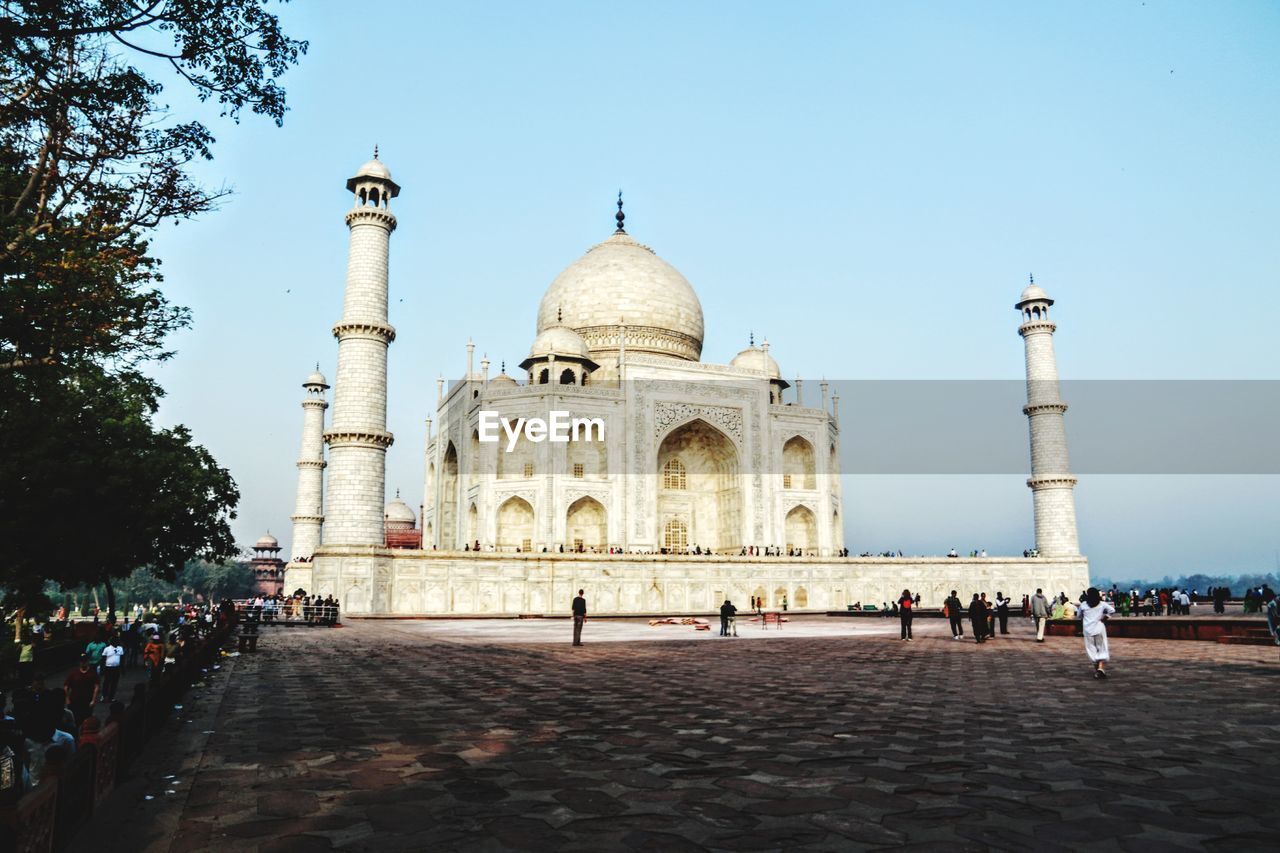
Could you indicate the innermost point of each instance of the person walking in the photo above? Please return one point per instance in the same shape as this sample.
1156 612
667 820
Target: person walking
579 616
1093 615
112 658
1040 612
904 614
955 615
727 612
153 657
978 618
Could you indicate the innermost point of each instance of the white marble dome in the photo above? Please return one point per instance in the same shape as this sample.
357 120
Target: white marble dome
398 516
622 282
317 378
1034 293
559 341
266 543
375 168
502 380
758 358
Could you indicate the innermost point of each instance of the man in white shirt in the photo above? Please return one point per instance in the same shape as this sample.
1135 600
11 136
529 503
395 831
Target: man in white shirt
112 657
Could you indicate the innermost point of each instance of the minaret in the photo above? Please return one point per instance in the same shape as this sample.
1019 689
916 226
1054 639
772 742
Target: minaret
358 437
1051 481
308 512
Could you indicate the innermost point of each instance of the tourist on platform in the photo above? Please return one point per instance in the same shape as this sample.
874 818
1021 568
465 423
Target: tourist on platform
153 657
579 616
990 610
26 658
131 639
955 615
82 687
978 618
1040 612
1093 615
112 660
727 614
904 614
1026 606
1002 612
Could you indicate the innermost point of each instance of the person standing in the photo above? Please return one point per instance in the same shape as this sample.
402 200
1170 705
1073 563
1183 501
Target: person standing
978 618
955 615
1002 612
904 614
112 658
26 658
1093 614
1040 612
727 612
81 689
579 616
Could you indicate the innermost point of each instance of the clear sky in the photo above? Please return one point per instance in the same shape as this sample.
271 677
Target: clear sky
867 184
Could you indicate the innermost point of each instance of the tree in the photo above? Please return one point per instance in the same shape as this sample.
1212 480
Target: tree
90 490
90 160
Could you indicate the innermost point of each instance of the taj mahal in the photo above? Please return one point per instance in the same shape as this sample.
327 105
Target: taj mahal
703 481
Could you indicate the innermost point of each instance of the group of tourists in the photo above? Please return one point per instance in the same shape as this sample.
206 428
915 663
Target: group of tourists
298 607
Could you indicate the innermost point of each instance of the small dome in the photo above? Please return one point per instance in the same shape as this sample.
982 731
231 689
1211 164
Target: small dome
375 168
398 516
316 378
1033 293
502 380
757 358
266 543
621 282
560 341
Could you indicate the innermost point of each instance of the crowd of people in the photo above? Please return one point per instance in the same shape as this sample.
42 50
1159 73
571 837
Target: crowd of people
44 724
298 607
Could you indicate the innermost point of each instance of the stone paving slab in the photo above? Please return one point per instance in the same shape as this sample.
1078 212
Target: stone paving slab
412 736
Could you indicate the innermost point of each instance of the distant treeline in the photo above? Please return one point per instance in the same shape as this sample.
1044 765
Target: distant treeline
1236 583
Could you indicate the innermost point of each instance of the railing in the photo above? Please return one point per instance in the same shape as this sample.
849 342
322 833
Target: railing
48 817
287 614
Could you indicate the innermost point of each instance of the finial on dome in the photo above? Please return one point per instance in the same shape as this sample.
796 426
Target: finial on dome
397 494
751 338
620 216
375 151
1032 277
504 366
559 314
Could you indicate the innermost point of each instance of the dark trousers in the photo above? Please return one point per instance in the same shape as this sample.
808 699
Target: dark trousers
26 672
724 626
979 629
1004 621
577 629
81 712
957 626
905 616
110 681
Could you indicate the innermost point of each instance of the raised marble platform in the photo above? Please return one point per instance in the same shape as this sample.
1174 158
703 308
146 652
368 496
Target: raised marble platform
380 581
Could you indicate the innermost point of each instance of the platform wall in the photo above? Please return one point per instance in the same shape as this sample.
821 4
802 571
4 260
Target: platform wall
382 582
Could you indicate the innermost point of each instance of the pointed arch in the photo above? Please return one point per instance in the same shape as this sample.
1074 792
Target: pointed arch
798 468
515 524
449 498
710 503
586 525
801 529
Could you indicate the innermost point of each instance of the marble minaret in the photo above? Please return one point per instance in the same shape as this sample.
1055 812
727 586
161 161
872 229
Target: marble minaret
308 508
357 436
1051 481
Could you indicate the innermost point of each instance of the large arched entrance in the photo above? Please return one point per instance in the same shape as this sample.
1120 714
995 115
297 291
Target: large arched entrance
798 470
586 526
698 486
515 525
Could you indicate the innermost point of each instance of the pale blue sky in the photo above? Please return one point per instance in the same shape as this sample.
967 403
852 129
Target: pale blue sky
867 184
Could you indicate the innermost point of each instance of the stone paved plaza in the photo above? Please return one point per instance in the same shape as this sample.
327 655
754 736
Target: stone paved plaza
832 735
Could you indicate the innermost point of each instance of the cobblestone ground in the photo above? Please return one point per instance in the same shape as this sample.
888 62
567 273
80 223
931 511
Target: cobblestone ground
383 736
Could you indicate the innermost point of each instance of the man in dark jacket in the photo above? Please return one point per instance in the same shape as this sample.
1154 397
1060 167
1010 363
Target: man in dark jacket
978 618
579 616
955 615
727 612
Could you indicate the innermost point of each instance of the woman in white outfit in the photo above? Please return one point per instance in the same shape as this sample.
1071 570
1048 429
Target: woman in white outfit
1093 613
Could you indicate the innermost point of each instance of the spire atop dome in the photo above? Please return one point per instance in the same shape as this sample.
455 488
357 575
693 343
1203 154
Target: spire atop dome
620 216
1031 278
751 338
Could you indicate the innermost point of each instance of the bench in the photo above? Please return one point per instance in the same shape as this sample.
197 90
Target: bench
774 618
